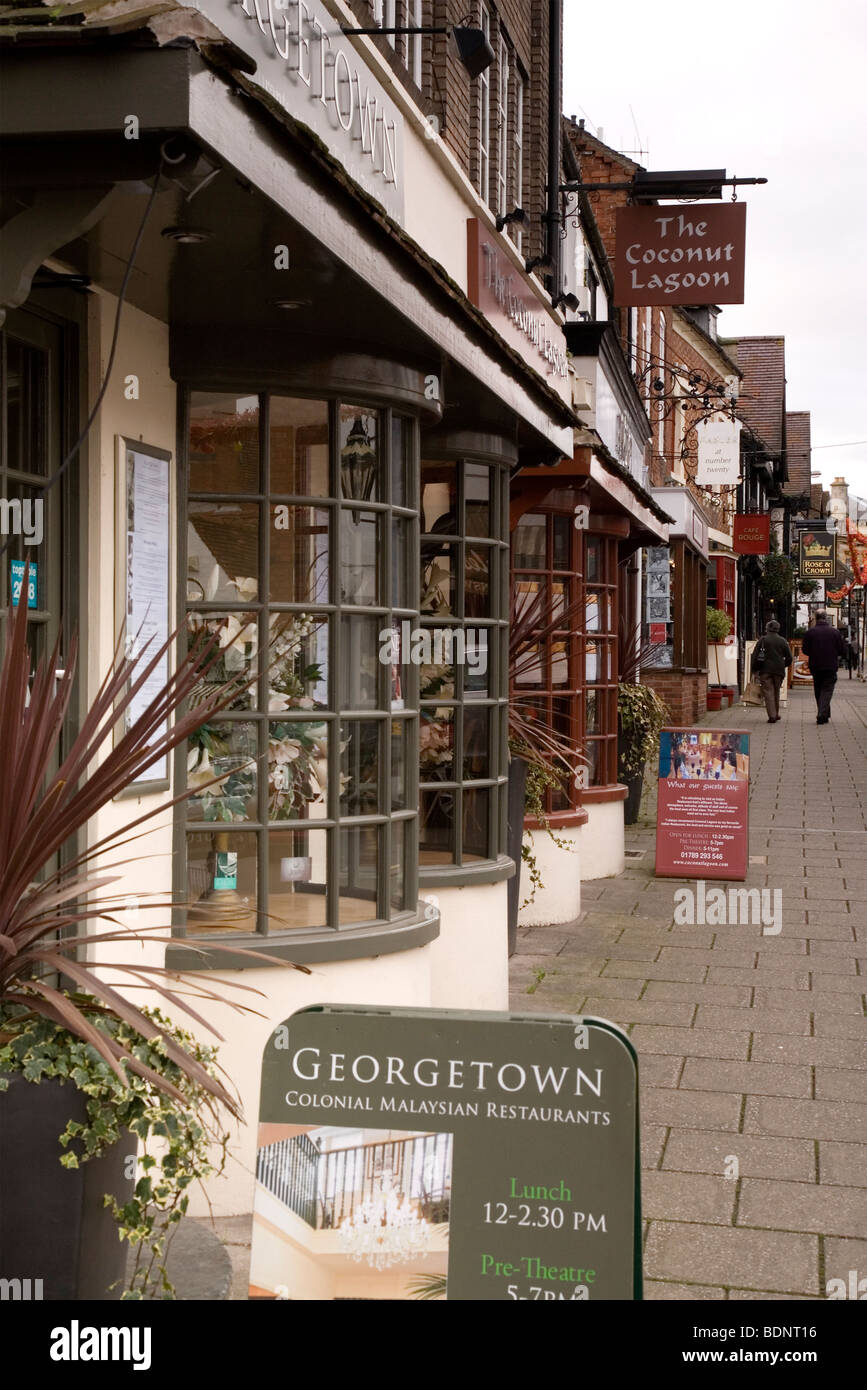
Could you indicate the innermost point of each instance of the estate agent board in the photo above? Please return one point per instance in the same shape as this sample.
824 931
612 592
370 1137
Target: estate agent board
413 1153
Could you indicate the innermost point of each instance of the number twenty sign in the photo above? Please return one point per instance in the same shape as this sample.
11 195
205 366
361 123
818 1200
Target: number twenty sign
410 1153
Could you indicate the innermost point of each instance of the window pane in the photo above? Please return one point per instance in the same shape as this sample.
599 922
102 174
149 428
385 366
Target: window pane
299 447
477 723
299 554
593 563
297 769
439 498
224 442
359 865
528 543
221 882
297 662
238 635
562 542
361 541
400 539
437 745
437 673
397 868
360 757
591 712
477 809
359 454
477 583
226 751
476 662
438 577
477 489
297 875
401 444
401 730
436 835
360 646
223 552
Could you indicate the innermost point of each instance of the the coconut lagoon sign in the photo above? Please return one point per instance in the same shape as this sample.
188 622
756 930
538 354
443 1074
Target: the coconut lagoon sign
413 1153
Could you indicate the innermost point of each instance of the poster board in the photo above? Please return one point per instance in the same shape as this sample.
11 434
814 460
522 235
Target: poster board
143 568
492 1155
702 820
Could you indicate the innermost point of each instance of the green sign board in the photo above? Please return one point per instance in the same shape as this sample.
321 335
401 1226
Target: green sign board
409 1153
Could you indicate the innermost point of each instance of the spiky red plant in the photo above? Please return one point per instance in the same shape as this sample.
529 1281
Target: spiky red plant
44 911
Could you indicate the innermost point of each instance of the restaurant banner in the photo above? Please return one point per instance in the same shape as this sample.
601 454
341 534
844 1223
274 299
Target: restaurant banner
751 534
719 451
665 255
703 803
799 671
817 553
418 1153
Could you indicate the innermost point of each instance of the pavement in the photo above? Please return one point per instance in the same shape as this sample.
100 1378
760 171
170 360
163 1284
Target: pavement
751 1047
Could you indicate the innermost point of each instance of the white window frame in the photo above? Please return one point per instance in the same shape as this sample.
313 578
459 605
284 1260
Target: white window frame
518 141
503 128
485 113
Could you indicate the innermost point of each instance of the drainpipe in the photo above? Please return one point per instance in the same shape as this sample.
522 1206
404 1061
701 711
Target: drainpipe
552 213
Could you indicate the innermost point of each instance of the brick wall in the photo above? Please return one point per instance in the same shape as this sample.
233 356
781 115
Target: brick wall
685 695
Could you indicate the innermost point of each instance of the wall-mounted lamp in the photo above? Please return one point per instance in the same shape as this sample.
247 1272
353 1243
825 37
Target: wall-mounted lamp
538 263
516 215
567 301
473 48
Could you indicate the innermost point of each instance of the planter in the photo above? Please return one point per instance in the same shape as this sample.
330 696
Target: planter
514 841
54 1226
721 663
634 784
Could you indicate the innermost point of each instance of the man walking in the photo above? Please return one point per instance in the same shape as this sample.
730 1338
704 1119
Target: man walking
771 659
823 646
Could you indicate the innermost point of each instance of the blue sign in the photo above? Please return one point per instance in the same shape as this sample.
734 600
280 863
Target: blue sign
17 568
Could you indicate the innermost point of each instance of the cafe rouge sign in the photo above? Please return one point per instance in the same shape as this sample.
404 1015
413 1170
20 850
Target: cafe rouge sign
498 288
680 255
309 68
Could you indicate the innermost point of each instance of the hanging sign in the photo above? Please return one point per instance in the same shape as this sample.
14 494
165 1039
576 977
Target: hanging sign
669 255
817 554
703 803
488 1157
751 534
719 452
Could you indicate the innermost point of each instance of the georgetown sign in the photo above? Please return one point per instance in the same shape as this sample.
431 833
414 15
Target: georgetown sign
304 62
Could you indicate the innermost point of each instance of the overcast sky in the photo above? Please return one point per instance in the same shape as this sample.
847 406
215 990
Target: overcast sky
773 88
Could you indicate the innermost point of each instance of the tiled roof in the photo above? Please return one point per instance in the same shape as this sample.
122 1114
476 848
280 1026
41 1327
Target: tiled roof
798 453
762 402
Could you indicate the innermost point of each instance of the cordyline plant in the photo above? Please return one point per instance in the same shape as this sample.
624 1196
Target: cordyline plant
41 811
536 619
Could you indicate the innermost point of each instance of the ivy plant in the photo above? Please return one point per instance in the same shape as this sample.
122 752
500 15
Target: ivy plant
642 714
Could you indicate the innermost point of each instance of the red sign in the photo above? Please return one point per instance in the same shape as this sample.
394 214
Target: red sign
703 803
497 287
751 534
681 255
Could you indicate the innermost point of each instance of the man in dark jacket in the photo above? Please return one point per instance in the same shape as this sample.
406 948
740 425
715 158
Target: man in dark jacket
771 658
823 646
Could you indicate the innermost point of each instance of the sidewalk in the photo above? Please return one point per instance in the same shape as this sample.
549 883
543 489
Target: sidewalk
749 1045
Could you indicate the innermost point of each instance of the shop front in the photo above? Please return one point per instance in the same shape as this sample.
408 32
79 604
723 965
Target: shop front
334 425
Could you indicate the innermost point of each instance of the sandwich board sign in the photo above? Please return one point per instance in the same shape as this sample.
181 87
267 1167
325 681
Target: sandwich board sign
417 1153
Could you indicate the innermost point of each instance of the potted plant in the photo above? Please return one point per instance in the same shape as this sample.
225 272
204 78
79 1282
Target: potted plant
719 651
86 1075
641 714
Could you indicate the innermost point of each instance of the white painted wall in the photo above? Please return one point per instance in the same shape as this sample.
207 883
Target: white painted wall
602 840
560 898
469 959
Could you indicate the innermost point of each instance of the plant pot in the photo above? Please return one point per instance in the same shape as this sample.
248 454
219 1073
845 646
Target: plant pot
54 1225
634 784
514 841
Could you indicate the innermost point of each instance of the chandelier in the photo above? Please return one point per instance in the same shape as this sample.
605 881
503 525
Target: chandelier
385 1229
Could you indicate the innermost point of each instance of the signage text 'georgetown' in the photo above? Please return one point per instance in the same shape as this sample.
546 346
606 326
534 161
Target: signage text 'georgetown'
306 65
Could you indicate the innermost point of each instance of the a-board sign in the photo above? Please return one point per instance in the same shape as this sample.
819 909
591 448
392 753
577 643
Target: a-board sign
416 1153
702 819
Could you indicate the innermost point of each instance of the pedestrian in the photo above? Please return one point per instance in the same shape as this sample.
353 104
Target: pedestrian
823 647
771 659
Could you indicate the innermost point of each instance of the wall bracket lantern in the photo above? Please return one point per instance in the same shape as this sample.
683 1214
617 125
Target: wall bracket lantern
473 48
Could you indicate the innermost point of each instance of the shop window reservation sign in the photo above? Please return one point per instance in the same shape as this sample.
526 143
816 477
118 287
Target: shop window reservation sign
406 1153
306 64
